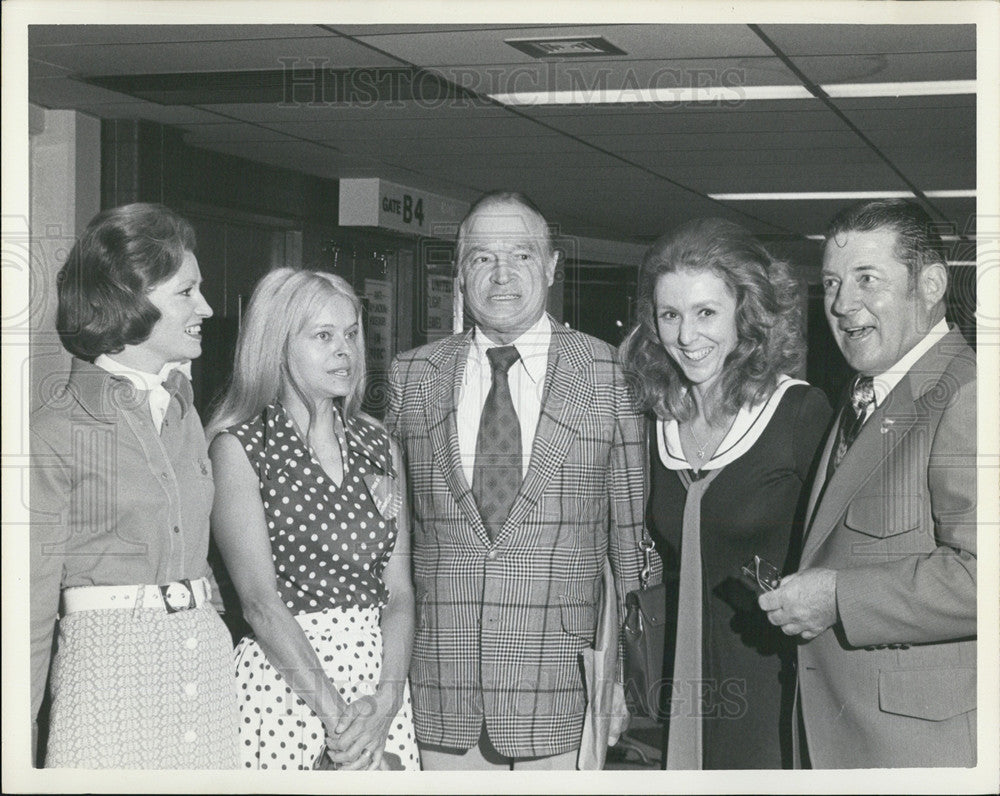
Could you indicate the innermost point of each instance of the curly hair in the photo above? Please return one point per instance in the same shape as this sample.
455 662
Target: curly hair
768 320
121 255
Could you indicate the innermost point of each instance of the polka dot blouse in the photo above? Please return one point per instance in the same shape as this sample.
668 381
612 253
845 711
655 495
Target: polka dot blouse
330 543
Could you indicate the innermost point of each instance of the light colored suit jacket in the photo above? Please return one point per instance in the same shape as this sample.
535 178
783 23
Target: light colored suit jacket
501 624
893 683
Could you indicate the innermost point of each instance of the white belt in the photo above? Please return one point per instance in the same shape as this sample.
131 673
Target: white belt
178 595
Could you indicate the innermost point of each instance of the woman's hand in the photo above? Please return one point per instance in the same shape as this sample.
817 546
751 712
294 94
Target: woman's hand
359 738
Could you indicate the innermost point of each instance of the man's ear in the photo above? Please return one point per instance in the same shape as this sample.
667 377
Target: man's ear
551 267
933 283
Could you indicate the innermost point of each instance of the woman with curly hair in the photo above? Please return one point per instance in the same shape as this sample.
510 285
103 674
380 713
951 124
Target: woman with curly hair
719 330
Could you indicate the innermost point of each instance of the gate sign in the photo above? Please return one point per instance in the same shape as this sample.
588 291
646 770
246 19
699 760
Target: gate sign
373 202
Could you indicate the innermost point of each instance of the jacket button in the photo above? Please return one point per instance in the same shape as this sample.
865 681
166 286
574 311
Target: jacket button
491 555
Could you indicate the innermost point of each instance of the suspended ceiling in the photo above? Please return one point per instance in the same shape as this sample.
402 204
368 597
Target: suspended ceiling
420 115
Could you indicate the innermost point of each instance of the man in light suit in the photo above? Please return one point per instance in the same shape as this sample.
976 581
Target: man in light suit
885 599
526 471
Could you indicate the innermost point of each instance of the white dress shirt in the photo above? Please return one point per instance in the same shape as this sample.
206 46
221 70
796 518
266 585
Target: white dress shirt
886 381
526 378
159 398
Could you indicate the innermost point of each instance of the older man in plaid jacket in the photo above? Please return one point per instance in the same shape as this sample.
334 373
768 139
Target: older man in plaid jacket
526 471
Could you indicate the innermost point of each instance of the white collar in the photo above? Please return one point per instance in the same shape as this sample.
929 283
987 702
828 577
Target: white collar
747 427
532 347
140 378
884 382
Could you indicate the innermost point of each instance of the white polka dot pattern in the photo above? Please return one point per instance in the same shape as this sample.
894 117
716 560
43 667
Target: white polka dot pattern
277 729
329 542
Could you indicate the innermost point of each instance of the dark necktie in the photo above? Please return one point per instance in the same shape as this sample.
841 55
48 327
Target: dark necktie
852 418
496 476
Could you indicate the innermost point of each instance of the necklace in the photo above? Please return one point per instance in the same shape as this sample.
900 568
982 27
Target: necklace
706 449
699 448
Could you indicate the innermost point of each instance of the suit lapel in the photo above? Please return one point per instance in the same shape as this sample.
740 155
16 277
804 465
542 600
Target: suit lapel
819 483
568 393
880 435
871 448
440 392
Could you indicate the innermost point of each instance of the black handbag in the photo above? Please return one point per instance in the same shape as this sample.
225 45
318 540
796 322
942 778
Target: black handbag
650 617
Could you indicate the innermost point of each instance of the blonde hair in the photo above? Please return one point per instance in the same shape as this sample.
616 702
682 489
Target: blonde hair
281 305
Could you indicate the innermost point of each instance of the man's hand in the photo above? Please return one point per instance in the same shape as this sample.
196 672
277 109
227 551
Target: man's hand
805 604
619 714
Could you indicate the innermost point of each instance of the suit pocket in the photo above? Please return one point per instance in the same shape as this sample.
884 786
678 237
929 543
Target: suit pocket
579 617
886 515
930 694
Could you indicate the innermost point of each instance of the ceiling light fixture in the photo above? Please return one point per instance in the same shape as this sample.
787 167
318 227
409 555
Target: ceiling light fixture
947 238
632 95
838 195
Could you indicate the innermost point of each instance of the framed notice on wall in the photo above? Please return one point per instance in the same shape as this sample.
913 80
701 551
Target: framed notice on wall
378 328
440 306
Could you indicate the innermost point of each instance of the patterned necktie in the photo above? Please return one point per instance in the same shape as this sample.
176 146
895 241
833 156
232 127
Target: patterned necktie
862 396
496 476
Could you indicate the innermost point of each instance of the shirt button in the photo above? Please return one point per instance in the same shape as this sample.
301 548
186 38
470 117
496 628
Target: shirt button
191 643
176 529
191 689
190 736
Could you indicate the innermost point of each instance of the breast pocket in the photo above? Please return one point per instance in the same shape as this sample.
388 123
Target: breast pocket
885 515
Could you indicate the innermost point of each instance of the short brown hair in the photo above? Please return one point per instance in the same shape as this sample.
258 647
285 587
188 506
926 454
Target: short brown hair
121 255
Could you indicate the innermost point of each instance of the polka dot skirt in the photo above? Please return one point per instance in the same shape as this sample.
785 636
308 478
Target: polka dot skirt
278 730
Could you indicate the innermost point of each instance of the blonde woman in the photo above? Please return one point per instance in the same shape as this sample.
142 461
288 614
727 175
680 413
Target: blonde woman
313 530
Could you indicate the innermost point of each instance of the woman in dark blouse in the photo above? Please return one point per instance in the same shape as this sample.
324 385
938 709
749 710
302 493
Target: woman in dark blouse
735 436
312 526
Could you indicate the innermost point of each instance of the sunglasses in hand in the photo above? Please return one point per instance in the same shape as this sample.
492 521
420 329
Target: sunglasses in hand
760 574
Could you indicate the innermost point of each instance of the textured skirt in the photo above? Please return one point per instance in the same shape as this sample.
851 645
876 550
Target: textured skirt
277 729
143 689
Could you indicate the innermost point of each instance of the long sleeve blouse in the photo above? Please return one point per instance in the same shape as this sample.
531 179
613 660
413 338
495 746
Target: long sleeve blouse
113 502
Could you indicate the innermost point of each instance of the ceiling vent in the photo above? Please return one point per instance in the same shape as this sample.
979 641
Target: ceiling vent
570 47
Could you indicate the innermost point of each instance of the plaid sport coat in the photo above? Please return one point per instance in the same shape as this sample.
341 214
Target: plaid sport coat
500 624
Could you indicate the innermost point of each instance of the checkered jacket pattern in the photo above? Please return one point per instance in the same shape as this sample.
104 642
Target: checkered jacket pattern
500 624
